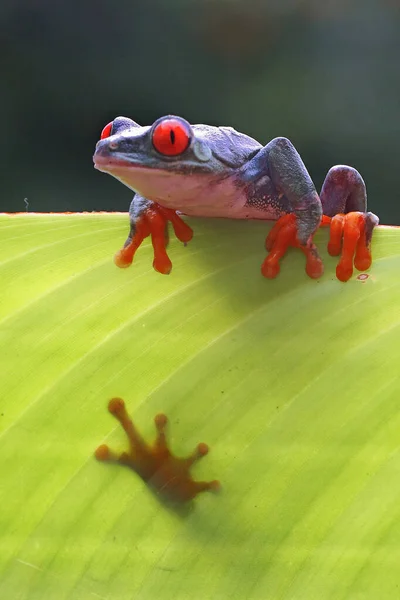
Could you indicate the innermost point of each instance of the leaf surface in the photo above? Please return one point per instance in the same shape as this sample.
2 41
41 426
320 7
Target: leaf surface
293 383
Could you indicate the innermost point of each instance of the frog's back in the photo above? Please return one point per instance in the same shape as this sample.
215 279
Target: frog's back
229 146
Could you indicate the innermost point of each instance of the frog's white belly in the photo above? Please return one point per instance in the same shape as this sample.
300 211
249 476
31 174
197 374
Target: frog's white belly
195 195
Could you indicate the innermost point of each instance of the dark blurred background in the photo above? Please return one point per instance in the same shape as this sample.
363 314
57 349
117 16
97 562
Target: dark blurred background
324 73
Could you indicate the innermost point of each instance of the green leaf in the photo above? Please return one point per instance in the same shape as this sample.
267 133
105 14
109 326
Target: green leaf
293 383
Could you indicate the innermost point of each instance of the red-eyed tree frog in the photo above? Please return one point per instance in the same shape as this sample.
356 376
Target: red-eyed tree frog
201 170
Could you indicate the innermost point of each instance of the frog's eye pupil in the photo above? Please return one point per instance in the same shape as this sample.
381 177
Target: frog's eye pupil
106 132
171 137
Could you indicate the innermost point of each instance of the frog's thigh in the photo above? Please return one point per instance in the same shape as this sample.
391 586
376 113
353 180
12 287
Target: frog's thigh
343 191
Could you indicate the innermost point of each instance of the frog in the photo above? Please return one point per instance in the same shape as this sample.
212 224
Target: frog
178 170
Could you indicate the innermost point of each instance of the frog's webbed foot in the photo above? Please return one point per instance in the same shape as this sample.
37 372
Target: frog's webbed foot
350 235
282 235
344 201
150 219
168 475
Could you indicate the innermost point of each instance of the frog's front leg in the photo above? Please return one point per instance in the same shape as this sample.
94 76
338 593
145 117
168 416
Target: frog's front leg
344 199
149 218
299 198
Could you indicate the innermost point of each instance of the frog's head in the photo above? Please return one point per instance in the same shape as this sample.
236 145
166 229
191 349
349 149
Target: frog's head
141 156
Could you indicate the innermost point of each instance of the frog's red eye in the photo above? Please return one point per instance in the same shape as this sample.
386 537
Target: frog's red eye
171 137
106 131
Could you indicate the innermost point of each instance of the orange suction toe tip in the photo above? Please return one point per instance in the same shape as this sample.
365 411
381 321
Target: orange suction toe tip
362 264
270 269
102 452
121 260
202 449
116 405
185 235
163 267
363 259
315 269
215 486
344 272
160 420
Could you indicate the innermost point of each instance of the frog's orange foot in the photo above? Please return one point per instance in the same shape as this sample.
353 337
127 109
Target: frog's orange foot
282 235
350 235
168 475
154 221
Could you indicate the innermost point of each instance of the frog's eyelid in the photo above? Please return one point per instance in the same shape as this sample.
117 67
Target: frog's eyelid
121 123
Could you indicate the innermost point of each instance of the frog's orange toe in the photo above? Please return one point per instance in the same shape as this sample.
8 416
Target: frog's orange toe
162 264
314 266
276 230
270 267
282 235
123 259
215 486
116 405
202 449
349 237
102 452
344 270
183 232
363 258
335 235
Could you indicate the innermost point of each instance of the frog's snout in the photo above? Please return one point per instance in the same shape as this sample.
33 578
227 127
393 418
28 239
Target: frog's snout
111 145
99 147
103 147
102 152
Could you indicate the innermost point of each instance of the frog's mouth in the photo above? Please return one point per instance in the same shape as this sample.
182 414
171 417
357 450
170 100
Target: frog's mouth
126 171
107 163
132 174
119 162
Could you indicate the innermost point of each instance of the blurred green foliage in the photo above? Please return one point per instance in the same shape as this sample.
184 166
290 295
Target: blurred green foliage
324 74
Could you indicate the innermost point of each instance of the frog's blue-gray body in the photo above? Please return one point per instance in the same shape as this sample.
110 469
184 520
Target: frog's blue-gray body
224 173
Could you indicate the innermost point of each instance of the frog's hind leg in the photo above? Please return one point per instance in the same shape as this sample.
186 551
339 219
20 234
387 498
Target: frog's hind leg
298 203
344 201
343 191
